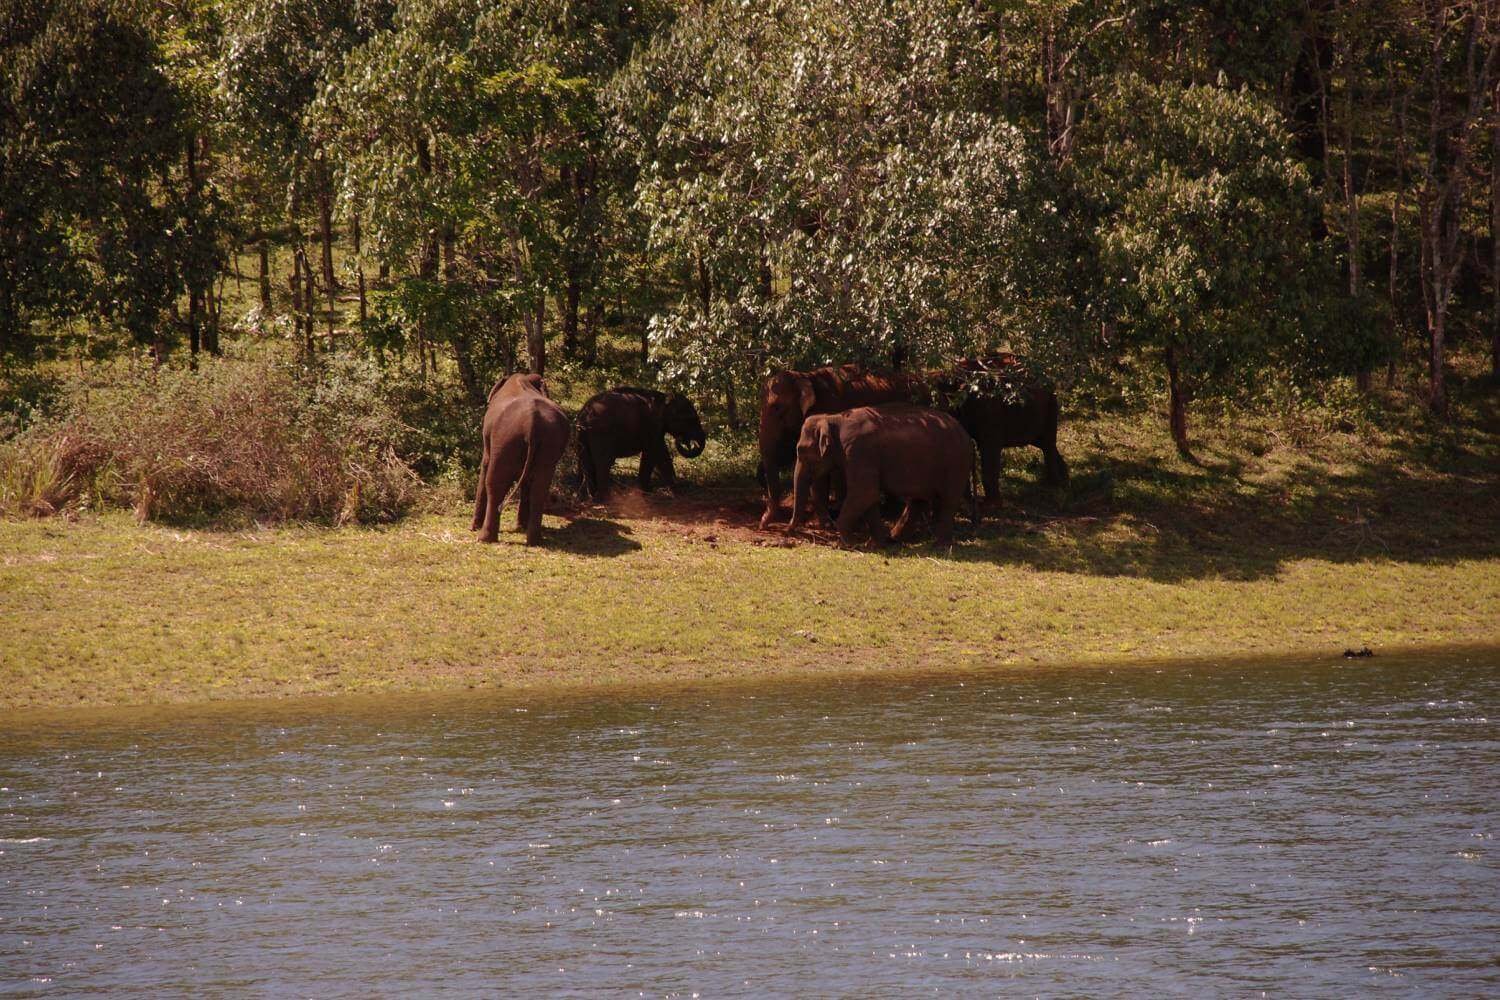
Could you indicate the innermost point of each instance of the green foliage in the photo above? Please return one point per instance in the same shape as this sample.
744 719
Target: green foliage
692 194
1204 217
95 220
832 195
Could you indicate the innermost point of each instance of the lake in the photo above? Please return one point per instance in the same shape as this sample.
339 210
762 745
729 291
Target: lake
1313 827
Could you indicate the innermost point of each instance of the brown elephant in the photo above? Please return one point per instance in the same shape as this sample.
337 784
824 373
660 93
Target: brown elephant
1002 405
524 436
630 421
916 453
998 402
789 397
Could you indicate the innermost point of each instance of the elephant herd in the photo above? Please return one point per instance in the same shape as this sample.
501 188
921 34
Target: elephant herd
846 432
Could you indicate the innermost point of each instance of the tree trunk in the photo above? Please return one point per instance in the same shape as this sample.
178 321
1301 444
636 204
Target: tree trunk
1437 390
591 333
264 249
359 270
309 302
1446 167
296 283
1177 406
568 306
194 289
458 339
1495 234
325 226
567 299
194 338
1392 276
325 233
1351 198
731 405
427 266
215 315
536 340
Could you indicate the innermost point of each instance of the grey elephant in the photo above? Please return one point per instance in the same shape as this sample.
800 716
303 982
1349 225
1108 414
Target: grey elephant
921 455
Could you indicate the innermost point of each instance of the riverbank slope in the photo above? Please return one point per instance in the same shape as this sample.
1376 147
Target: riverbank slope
105 611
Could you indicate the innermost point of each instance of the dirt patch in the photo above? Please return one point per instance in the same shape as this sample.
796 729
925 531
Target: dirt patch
701 514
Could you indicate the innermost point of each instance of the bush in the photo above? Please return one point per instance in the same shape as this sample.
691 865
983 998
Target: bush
237 439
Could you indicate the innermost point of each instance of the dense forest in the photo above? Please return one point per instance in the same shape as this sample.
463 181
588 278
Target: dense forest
1247 201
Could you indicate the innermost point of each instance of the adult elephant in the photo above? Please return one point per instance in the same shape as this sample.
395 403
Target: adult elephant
915 453
789 397
1002 405
523 436
629 421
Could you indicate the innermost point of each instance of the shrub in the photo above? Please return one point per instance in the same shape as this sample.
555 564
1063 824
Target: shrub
237 439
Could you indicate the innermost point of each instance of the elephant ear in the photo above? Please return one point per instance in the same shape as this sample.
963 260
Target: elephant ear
828 438
656 405
807 397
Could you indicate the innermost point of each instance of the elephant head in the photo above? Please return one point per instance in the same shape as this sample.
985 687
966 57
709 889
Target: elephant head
680 419
785 400
819 450
519 384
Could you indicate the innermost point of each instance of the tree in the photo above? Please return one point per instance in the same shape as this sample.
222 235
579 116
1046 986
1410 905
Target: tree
275 58
1459 63
1202 209
822 195
93 220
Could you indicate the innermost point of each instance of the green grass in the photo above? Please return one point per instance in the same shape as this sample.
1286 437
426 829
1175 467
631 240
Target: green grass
1341 541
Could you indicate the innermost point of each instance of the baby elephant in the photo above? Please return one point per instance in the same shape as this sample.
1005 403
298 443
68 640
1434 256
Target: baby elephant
919 455
524 435
629 421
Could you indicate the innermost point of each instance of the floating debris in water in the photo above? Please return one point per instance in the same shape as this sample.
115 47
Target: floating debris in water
1358 654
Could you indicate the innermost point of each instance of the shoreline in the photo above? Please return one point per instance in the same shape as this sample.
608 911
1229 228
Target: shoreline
105 612
562 693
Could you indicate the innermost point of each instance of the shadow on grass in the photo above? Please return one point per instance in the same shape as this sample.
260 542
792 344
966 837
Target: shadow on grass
1134 509
591 536
1172 523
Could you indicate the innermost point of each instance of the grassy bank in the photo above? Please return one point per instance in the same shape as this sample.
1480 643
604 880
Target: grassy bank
1345 540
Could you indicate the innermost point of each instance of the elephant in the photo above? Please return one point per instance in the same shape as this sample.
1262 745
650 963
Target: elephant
1001 405
630 421
524 435
996 399
790 397
915 453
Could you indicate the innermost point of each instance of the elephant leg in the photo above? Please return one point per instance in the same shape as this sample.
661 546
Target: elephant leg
502 475
909 516
822 516
942 520
479 492
523 504
648 465
861 498
876 527
1055 470
991 458
603 470
664 466
534 502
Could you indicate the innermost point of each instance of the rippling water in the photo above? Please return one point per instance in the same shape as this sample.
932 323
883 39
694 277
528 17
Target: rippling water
1306 828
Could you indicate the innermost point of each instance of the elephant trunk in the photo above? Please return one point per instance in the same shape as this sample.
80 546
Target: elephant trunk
802 480
692 447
